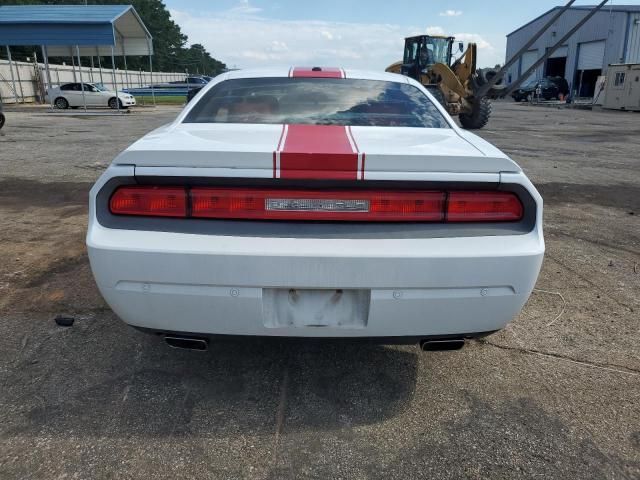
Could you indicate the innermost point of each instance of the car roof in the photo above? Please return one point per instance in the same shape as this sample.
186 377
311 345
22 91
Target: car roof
284 72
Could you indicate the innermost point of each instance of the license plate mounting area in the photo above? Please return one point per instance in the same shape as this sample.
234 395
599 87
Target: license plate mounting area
315 308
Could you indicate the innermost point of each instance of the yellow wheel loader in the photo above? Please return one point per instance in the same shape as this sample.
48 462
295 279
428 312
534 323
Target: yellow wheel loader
463 89
428 59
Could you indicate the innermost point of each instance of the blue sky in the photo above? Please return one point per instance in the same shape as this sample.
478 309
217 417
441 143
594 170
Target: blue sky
349 33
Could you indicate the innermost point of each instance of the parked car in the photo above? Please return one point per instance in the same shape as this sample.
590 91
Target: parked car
198 80
193 92
550 89
188 82
315 203
95 95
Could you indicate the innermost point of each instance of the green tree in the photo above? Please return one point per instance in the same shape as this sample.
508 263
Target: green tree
198 60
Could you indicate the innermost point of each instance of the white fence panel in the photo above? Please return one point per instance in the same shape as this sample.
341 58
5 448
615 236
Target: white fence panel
30 80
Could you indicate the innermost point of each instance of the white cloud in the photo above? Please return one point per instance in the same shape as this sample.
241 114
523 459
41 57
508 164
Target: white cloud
244 8
277 46
435 30
242 38
474 37
327 35
451 13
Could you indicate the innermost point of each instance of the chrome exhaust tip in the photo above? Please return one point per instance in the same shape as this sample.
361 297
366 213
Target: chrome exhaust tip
187 343
441 345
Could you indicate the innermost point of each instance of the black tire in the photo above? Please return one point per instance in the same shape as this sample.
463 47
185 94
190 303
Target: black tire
484 75
61 103
479 117
112 103
2 120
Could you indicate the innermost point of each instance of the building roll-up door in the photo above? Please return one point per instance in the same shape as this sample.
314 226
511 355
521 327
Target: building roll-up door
633 48
526 61
560 52
591 56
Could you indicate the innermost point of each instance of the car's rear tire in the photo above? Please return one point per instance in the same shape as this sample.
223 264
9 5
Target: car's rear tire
478 117
61 103
2 120
112 103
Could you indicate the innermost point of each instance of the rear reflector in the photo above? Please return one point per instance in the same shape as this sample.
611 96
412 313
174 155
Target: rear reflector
149 201
318 205
483 207
329 205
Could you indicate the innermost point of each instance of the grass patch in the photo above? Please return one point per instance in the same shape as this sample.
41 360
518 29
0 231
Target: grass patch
168 100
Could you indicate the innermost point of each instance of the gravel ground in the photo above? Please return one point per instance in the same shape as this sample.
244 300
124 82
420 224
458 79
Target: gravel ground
555 395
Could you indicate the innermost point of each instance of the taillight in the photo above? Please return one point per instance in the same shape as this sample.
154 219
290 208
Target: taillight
483 207
328 205
318 205
149 201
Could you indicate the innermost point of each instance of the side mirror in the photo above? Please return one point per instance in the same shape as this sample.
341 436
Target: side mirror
461 46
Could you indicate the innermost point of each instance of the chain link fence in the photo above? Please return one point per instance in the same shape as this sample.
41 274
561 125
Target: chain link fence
24 82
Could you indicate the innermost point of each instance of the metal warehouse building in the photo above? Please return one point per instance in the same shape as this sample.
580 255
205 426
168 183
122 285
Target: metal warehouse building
611 36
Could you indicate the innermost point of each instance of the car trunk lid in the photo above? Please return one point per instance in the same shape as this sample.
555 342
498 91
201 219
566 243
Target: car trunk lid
314 152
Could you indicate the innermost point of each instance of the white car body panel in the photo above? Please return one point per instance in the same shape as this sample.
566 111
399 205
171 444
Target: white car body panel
412 149
231 284
92 99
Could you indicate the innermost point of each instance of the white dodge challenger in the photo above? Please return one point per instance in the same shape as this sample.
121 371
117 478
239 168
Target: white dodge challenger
315 202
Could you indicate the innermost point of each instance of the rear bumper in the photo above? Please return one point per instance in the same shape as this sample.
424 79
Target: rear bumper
223 285
214 284
281 340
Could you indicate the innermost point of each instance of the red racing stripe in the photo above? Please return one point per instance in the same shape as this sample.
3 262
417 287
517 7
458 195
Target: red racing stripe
326 72
361 155
276 152
317 152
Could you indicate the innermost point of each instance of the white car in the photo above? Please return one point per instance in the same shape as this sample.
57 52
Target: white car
315 202
95 95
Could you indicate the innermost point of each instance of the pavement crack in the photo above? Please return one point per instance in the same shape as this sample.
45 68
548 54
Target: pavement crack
280 413
599 243
532 351
181 410
601 288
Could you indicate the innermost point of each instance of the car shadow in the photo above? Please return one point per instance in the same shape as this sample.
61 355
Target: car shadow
108 380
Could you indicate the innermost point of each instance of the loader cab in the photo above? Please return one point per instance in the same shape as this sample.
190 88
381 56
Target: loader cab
423 51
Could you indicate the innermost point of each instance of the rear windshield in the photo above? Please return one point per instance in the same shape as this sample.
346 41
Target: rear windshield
317 101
